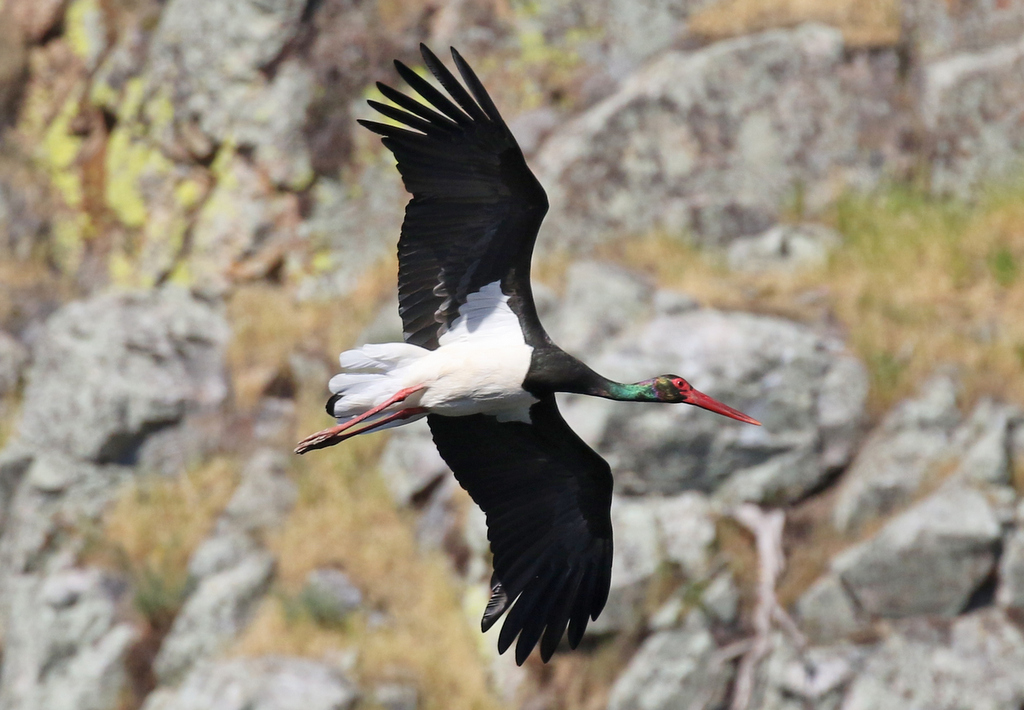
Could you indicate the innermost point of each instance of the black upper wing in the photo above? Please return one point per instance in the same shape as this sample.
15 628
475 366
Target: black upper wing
547 497
475 207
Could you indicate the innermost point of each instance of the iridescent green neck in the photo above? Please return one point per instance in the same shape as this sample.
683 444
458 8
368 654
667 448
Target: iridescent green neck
645 391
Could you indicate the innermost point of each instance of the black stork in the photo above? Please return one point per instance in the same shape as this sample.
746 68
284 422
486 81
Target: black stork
478 365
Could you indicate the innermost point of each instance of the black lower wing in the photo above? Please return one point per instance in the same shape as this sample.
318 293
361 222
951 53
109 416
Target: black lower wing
547 497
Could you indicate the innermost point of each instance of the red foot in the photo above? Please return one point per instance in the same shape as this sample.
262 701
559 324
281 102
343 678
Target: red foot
338 433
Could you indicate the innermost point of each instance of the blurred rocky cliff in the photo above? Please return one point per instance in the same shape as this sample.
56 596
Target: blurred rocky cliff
811 209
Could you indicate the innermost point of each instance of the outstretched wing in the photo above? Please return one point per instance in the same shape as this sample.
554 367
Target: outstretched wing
547 497
475 207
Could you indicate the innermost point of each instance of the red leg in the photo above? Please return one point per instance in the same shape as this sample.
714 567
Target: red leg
326 438
334 431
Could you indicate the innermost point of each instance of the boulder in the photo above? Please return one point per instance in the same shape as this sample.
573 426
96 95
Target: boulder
601 300
972 106
826 611
410 463
674 669
712 141
66 644
330 595
928 560
935 29
263 683
109 372
1010 592
919 442
813 678
975 664
807 392
264 496
896 458
213 615
784 247
651 532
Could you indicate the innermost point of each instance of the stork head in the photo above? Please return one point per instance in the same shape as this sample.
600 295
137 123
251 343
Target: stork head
673 388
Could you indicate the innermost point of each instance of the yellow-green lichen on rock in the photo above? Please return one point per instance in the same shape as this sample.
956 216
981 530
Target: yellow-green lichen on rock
58 153
130 162
86 30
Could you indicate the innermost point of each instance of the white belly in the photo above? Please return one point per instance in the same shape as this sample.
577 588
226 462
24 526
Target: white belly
464 378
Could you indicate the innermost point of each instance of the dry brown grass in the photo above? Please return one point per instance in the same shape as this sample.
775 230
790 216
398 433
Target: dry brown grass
268 325
157 522
864 23
917 283
345 518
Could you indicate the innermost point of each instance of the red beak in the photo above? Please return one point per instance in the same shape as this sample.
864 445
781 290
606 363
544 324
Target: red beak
701 400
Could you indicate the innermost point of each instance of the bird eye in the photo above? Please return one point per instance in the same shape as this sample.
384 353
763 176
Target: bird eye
679 382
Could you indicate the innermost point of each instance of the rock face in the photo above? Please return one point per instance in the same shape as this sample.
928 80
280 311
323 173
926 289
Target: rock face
783 248
712 141
66 649
651 532
109 376
268 683
937 29
109 372
211 59
673 669
809 395
975 665
929 560
973 108
921 438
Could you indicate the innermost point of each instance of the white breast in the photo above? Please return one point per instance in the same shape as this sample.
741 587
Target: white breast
481 363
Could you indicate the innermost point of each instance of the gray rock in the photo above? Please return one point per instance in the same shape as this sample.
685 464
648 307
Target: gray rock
352 226
239 221
396 696
975 665
895 460
614 36
783 248
1010 592
410 463
13 359
601 300
651 532
973 108
264 496
813 679
213 615
984 440
673 669
928 560
264 683
212 60
776 371
112 370
712 141
330 595
220 552
936 29
66 646
826 611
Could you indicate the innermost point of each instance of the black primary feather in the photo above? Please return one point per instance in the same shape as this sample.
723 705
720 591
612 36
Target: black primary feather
475 207
547 498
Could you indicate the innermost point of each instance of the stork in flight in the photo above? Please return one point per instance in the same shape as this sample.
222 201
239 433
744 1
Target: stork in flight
478 365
